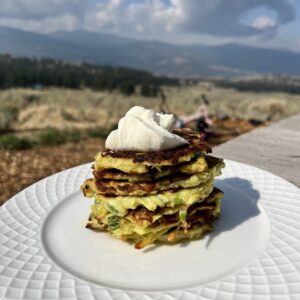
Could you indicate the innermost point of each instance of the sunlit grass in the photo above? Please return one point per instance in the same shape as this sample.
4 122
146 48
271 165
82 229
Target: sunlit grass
83 109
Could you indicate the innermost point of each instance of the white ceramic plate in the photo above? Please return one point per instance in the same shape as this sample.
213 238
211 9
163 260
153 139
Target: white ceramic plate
253 252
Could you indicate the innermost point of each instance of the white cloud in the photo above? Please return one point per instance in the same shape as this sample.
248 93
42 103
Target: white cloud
173 20
263 22
214 17
39 9
65 22
145 17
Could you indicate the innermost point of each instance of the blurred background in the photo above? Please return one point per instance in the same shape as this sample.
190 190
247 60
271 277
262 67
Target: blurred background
70 69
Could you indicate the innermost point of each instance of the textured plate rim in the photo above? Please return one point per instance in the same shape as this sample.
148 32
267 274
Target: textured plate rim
281 283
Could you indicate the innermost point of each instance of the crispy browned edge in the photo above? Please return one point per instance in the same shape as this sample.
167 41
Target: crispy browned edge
196 144
108 186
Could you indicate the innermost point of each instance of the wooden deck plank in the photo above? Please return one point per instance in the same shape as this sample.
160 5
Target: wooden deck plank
275 149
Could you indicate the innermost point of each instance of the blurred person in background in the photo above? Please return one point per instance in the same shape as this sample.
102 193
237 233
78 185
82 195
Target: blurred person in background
201 116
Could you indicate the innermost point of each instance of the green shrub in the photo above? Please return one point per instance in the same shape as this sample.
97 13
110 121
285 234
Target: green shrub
53 136
71 135
32 98
12 142
68 116
50 136
98 132
8 114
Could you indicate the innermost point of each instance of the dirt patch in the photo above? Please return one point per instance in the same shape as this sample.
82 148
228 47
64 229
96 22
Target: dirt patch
225 130
19 169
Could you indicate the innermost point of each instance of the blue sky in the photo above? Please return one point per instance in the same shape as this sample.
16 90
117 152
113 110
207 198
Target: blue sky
263 23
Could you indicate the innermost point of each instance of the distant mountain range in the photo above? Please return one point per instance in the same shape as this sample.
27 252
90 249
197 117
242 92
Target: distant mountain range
157 57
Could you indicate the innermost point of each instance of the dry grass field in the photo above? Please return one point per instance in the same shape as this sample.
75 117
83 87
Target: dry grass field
26 112
28 109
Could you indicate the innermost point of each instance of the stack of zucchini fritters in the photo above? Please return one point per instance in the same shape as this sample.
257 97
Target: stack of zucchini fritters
148 197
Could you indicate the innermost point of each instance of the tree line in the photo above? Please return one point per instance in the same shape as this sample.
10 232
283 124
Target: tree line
38 73
260 86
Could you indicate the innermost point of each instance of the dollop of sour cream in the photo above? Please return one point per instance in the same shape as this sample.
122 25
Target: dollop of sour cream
144 130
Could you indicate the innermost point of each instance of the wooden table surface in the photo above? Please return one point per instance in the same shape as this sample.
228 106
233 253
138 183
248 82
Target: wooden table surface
275 149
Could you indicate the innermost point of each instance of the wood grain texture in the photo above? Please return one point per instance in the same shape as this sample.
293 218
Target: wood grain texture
275 149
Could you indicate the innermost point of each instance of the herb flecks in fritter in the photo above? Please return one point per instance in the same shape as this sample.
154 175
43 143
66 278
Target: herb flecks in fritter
164 196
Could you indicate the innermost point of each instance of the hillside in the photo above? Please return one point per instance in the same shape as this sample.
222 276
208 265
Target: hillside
157 57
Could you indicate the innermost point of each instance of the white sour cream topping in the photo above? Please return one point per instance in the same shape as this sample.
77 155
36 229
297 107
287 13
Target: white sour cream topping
144 130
